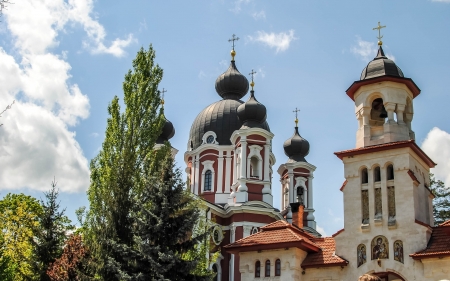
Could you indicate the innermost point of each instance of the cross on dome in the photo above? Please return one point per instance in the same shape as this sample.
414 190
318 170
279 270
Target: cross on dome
162 97
252 74
379 27
233 52
296 116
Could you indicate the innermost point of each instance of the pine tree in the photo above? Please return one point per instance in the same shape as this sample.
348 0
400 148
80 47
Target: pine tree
119 170
50 234
441 201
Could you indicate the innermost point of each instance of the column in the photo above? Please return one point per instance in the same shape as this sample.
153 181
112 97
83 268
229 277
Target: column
390 108
400 110
232 233
266 162
243 164
197 174
220 172
310 192
291 186
228 172
192 177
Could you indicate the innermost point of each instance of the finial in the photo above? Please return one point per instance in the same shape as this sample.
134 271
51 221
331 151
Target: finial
296 119
252 83
162 97
379 27
233 52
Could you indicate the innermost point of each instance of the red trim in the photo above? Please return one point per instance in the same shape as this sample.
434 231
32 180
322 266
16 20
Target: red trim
235 249
426 256
317 265
407 81
423 224
387 146
343 185
413 177
337 233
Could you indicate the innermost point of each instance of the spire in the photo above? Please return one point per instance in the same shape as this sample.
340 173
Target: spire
296 116
233 52
168 131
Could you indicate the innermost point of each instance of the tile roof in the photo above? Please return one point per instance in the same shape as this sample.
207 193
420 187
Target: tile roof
325 257
279 234
438 245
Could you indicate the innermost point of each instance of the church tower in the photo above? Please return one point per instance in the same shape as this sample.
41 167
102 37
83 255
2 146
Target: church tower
387 201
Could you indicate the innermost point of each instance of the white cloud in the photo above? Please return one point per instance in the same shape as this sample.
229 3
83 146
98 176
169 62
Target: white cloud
279 41
237 5
321 231
444 1
437 147
261 15
365 50
202 74
37 143
260 73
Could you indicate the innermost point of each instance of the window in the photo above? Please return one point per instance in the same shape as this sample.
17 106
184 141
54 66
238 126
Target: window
364 176
376 174
390 172
210 139
267 268
277 267
258 269
208 181
254 173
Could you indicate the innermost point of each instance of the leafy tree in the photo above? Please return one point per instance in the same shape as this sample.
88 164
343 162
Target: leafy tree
126 158
7 267
19 216
69 266
50 234
441 202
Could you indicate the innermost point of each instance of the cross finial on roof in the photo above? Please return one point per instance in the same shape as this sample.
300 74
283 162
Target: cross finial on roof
252 74
379 27
296 116
233 38
162 95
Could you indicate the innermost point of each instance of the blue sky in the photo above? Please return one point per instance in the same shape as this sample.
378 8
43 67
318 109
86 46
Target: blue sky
63 61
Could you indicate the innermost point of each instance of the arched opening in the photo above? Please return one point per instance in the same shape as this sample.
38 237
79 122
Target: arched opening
277 267
378 113
388 276
267 269
208 181
364 176
390 172
257 269
376 174
254 167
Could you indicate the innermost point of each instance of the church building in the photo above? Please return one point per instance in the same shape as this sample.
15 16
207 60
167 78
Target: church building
388 214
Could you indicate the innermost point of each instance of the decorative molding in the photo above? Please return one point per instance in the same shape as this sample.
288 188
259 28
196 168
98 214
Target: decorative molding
205 138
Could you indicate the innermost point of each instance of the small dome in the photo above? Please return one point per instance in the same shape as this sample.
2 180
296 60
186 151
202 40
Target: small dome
232 84
220 117
381 66
296 147
252 113
167 133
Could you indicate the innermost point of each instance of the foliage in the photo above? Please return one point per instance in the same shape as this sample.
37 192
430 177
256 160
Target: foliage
19 216
70 265
126 158
7 267
50 234
441 202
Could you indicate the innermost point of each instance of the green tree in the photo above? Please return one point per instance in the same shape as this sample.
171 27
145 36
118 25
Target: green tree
50 234
7 267
19 216
441 201
126 158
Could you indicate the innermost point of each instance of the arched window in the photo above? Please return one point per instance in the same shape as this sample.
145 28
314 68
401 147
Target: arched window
390 172
267 268
376 174
258 269
364 176
277 267
254 172
208 181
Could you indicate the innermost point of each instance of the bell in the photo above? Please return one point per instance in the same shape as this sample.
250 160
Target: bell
383 113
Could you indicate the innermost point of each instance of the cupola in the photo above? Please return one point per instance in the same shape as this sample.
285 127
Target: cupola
232 84
381 66
296 147
252 113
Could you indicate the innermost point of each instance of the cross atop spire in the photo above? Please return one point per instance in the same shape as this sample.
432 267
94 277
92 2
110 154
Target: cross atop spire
379 27
252 74
296 116
162 95
233 38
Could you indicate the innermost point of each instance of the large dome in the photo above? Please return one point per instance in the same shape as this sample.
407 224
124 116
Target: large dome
221 118
381 66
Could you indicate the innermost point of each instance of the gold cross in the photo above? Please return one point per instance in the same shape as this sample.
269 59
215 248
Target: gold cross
252 83
296 119
162 98
233 38
379 27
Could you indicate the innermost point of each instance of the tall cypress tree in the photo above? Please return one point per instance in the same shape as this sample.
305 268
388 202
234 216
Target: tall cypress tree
50 234
119 170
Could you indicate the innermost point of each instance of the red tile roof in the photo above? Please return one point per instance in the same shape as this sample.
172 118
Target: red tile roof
439 244
326 257
392 145
337 233
279 234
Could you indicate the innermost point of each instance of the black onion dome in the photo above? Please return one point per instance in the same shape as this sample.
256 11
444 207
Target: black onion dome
232 84
167 133
296 147
220 117
381 66
252 113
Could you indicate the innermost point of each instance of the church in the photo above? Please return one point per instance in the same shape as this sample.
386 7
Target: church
388 214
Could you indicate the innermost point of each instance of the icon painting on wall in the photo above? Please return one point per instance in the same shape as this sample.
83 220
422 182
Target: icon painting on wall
380 248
